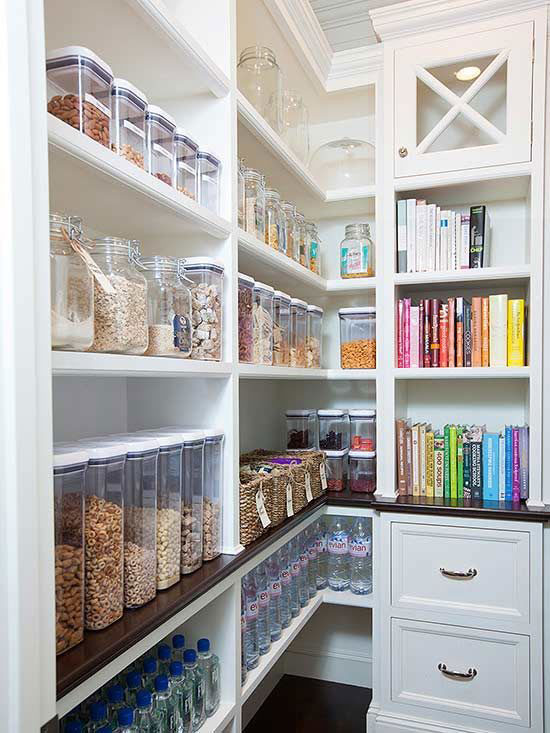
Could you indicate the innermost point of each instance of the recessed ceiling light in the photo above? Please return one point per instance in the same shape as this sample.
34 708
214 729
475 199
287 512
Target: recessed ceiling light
467 73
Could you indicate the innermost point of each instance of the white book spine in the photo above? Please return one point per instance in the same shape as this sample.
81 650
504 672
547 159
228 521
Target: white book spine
401 236
501 469
421 237
458 235
444 248
437 239
452 247
465 242
498 330
411 235
432 214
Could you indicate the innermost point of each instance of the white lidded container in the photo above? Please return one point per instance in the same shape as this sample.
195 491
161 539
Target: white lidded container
337 469
206 305
298 330
160 128
362 430
213 493
209 170
128 105
246 319
358 337
362 469
301 429
314 330
281 328
185 163
333 430
262 312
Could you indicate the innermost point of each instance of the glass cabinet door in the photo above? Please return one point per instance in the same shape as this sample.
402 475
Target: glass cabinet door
464 102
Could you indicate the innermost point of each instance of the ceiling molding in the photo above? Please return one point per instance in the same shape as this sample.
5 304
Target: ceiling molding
355 67
419 16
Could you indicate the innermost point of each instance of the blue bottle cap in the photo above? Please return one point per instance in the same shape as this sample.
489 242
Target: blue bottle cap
161 683
133 679
143 698
103 729
125 716
149 665
203 645
189 656
98 710
178 641
115 693
164 652
176 669
73 726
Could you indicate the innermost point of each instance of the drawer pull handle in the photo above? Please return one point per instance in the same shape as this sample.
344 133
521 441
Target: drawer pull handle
469 675
457 574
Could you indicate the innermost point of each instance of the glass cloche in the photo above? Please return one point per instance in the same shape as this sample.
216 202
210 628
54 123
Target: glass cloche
344 163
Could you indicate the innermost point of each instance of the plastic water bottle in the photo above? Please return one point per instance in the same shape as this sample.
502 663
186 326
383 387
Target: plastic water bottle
164 654
286 581
126 721
312 560
275 592
243 635
178 647
98 716
164 705
322 555
295 572
304 570
133 684
182 695
149 674
115 702
210 665
194 674
338 557
143 716
251 648
360 554
264 634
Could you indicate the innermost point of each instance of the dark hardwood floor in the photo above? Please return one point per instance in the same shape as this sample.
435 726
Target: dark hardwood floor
302 705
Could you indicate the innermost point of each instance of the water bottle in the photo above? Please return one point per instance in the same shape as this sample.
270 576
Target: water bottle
274 580
295 573
264 634
360 558
182 694
286 581
322 555
133 684
178 647
304 571
149 674
126 721
164 705
73 726
98 716
311 545
143 717
210 665
164 654
338 557
252 652
243 635
194 674
115 702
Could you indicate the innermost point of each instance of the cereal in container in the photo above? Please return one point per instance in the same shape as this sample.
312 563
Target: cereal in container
358 337
206 306
298 328
281 328
262 310
314 336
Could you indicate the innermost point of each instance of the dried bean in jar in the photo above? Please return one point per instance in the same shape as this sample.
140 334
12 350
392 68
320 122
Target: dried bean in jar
298 440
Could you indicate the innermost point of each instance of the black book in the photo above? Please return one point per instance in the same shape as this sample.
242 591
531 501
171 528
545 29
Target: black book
466 469
467 325
478 236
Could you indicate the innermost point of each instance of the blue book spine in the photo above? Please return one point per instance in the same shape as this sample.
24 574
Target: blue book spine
508 462
490 466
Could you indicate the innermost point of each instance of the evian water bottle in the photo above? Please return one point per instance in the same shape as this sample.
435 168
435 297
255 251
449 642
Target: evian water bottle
251 614
360 554
274 579
312 560
286 581
304 570
338 557
295 572
322 555
264 632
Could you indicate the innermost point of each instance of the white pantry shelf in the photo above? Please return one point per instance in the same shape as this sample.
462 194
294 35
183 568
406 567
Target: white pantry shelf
78 363
350 285
482 275
117 196
464 373
347 598
258 371
221 718
348 194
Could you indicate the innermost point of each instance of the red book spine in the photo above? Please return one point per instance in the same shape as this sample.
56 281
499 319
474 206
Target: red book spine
444 335
427 333
452 353
400 334
421 334
407 333
435 346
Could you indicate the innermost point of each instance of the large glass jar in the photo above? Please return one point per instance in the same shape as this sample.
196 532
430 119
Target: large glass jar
246 319
281 328
160 127
71 286
301 429
333 430
213 493
254 203
363 430
273 219
79 91
313 243
262 310
300 241
169 307
241 205
260 80
206 305
357 252
209 169
314 336
192 502
358 337
298 327
128 121
295 124
103 526
69 468
120 304
185 163
289 214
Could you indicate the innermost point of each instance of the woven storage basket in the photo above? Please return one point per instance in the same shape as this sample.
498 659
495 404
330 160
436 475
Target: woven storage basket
251 526
276 481
315 459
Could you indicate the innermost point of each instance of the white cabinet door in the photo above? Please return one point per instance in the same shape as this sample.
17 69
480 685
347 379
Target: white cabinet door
443 123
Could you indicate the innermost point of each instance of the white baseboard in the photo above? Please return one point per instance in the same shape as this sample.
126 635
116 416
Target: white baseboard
332 666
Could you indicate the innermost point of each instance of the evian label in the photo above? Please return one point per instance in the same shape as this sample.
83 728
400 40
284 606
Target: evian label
295 569
243 621
275 588
304 560
338 546
321 544
252 610
360 548
312 551
263 598
285 576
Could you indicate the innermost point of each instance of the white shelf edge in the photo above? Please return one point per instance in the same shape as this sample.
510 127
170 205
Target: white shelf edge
349 194
255 676
350 285
464 373
452 178
223 715
482 274
347 598
352 374
78 145
259 371
124 365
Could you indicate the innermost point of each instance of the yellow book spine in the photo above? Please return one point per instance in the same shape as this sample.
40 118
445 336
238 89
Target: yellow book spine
516 336
429 463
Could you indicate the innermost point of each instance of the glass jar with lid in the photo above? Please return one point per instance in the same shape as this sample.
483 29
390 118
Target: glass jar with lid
213 493
120 298
160 127
246 319
333 429
260 79
79 91
273 218
289 221
298 328
241 206
363 430
314 336
254 203
185 163
281 328
206 275
295 119
192 501
300 242
262 311
169 307
71 286
357 252
128 106
209 169
313 243
301 429
358 337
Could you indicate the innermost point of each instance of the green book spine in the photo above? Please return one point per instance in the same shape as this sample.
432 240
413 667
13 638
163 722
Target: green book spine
447 458
452 461
459 464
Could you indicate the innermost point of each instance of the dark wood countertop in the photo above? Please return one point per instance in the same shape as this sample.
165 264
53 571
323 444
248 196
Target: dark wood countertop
464 508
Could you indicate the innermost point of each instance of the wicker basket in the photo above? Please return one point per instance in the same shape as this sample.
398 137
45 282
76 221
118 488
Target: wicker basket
251 526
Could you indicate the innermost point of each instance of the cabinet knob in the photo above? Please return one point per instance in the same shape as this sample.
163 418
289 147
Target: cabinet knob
469 675
457 574
403 152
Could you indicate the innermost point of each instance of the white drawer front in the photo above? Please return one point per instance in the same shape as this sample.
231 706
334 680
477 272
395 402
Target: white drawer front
499 689
496 563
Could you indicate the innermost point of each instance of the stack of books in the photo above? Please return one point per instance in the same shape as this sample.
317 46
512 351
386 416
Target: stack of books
455 332
430 239
462 462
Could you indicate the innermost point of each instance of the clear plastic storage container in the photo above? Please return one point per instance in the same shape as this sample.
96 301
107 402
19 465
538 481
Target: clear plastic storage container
261 81
69 469
213 493
120 304
262 310
185 163
357 252
128 121
254 203
71 286
362 468
313 246
169 307
79 91
281 328
300 240
337 469
160 127
206 305
301 429
209 170
362 430
333 430
298 329
104 533
289 222
192 501
314 336
358 337
343 164
273 219
246 319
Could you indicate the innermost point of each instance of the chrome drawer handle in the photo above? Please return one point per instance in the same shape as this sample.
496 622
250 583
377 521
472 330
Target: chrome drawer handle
457 574
469 675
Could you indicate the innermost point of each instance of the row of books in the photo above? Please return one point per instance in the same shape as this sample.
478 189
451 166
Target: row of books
462 462
455 332
430 239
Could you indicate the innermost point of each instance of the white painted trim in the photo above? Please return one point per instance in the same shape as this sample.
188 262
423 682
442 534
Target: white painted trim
355 67
336 665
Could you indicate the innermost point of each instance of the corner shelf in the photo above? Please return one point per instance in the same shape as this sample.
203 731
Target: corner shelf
77 363
464 373
521 273
259 371
347 598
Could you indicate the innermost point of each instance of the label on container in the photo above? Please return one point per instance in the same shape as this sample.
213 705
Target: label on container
323 475
321 544
304 561
263 598
355 260
133 128
309 494
182 332
289 505
286 578
275 588
295 568
260 506
338 546
312 551
360 547
97 104
252 610
162 151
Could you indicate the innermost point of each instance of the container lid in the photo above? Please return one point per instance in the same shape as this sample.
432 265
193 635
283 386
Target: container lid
264 287
136 443
213 435
331 413
282 296
153 109
246 279
299 413
205 155
314 309
68 51
368 309
186 435
202 263
183 135
128 87
271 193
165 440
298 302
69 454
362 413
98 449
362 454
336 453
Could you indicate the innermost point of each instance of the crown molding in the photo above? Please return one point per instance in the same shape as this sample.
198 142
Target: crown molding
419 16
355 67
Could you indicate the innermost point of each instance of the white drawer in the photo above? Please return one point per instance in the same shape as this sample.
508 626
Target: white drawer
495 665
495 563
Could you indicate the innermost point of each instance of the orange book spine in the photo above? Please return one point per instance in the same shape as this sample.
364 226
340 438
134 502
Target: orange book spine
444 335
485 332
451 332
476 332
